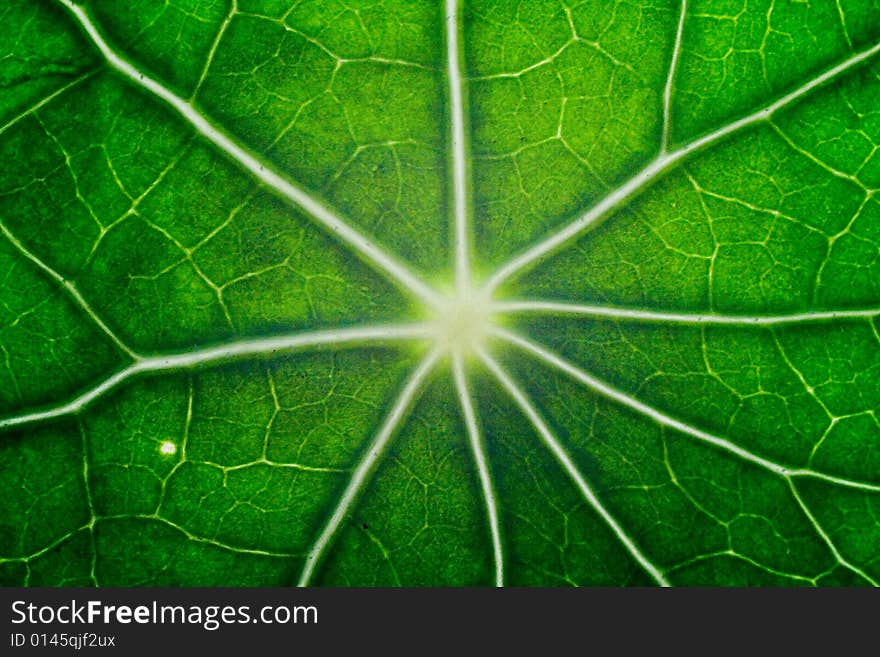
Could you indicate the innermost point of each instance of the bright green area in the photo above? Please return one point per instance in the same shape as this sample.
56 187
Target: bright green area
125 233
567 102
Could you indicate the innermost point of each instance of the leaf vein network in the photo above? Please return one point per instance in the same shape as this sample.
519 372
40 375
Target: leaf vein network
462 322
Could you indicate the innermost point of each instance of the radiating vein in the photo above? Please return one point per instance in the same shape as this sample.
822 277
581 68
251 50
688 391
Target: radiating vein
70 289
661 418
479 452
659 165
827 539
539 306
220 353
568 465
315 209
365 468
459 161
670 79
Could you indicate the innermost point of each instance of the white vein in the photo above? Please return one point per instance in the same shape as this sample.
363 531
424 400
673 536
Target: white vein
480 459
231 351
670 79
70 288
362 473
568 465
663 162
459 161
665 420
314 208
564 308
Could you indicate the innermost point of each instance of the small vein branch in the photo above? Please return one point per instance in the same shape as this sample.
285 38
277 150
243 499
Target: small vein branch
827 539
197 538
670 79
30 111
71 291
233 9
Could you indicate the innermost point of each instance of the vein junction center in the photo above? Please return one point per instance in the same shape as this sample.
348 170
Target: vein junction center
463 322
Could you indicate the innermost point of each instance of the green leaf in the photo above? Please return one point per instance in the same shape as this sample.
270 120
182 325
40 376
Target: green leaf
422 293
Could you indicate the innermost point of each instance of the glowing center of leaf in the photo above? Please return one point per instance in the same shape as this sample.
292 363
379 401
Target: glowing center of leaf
463 323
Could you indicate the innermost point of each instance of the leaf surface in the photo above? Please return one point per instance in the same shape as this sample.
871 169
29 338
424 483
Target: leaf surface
418 293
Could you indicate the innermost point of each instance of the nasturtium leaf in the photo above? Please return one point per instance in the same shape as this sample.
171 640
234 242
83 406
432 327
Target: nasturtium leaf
470 292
